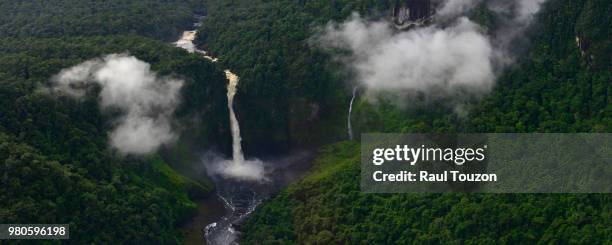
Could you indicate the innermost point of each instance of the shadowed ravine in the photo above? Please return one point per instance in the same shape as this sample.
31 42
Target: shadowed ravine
239 198
241 184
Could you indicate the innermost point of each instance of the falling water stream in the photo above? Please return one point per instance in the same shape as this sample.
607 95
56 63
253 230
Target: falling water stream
243 194
235 127
241 184
240 198
350 125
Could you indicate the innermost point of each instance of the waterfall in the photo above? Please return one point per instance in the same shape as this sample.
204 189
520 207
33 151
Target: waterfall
186 42
235 127
243 184
350 126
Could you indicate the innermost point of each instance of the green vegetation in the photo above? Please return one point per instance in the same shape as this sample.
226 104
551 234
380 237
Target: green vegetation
59 18
328 208
120 207
265 43
558 86
56 166
110 198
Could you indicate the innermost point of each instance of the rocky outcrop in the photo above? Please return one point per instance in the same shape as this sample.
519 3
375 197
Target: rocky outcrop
409 13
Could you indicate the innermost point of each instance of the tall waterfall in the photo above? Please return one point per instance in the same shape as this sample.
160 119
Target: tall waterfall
236 188
235 127
240 183
350 126
186 42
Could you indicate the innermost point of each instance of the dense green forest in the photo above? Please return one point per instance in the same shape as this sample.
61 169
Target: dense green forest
327 207
57 166
559 85
265 43
104 196
556 87
564 88
56 163
59 18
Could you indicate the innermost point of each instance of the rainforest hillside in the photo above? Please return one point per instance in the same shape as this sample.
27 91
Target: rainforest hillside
57 166
557 86
327 207
291 95
59 18
269 44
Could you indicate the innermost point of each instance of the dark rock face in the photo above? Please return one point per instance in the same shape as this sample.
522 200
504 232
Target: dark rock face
419 9
406 11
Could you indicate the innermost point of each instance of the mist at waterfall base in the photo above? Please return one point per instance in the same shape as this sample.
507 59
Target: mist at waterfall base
252 170
241 182
453 60
241 196
237 167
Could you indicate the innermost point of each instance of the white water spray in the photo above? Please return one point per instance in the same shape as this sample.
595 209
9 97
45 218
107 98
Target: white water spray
186 43
350 126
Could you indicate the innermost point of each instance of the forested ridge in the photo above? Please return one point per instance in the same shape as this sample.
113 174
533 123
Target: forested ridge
58 18
265 43
57 166
559 84
327 207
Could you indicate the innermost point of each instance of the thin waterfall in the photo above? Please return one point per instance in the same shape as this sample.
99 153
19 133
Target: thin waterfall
350 126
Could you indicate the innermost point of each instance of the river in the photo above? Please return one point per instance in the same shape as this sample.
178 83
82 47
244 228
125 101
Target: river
239 197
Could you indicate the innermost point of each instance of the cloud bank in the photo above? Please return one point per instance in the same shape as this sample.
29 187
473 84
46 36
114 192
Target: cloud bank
452 59
521 11
424 60
146 100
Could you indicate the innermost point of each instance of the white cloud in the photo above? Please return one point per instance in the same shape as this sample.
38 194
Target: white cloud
452 58
146 100
427 60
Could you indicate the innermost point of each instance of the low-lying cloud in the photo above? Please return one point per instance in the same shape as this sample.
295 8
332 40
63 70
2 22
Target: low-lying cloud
426 59
146 100
517 12
453 58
